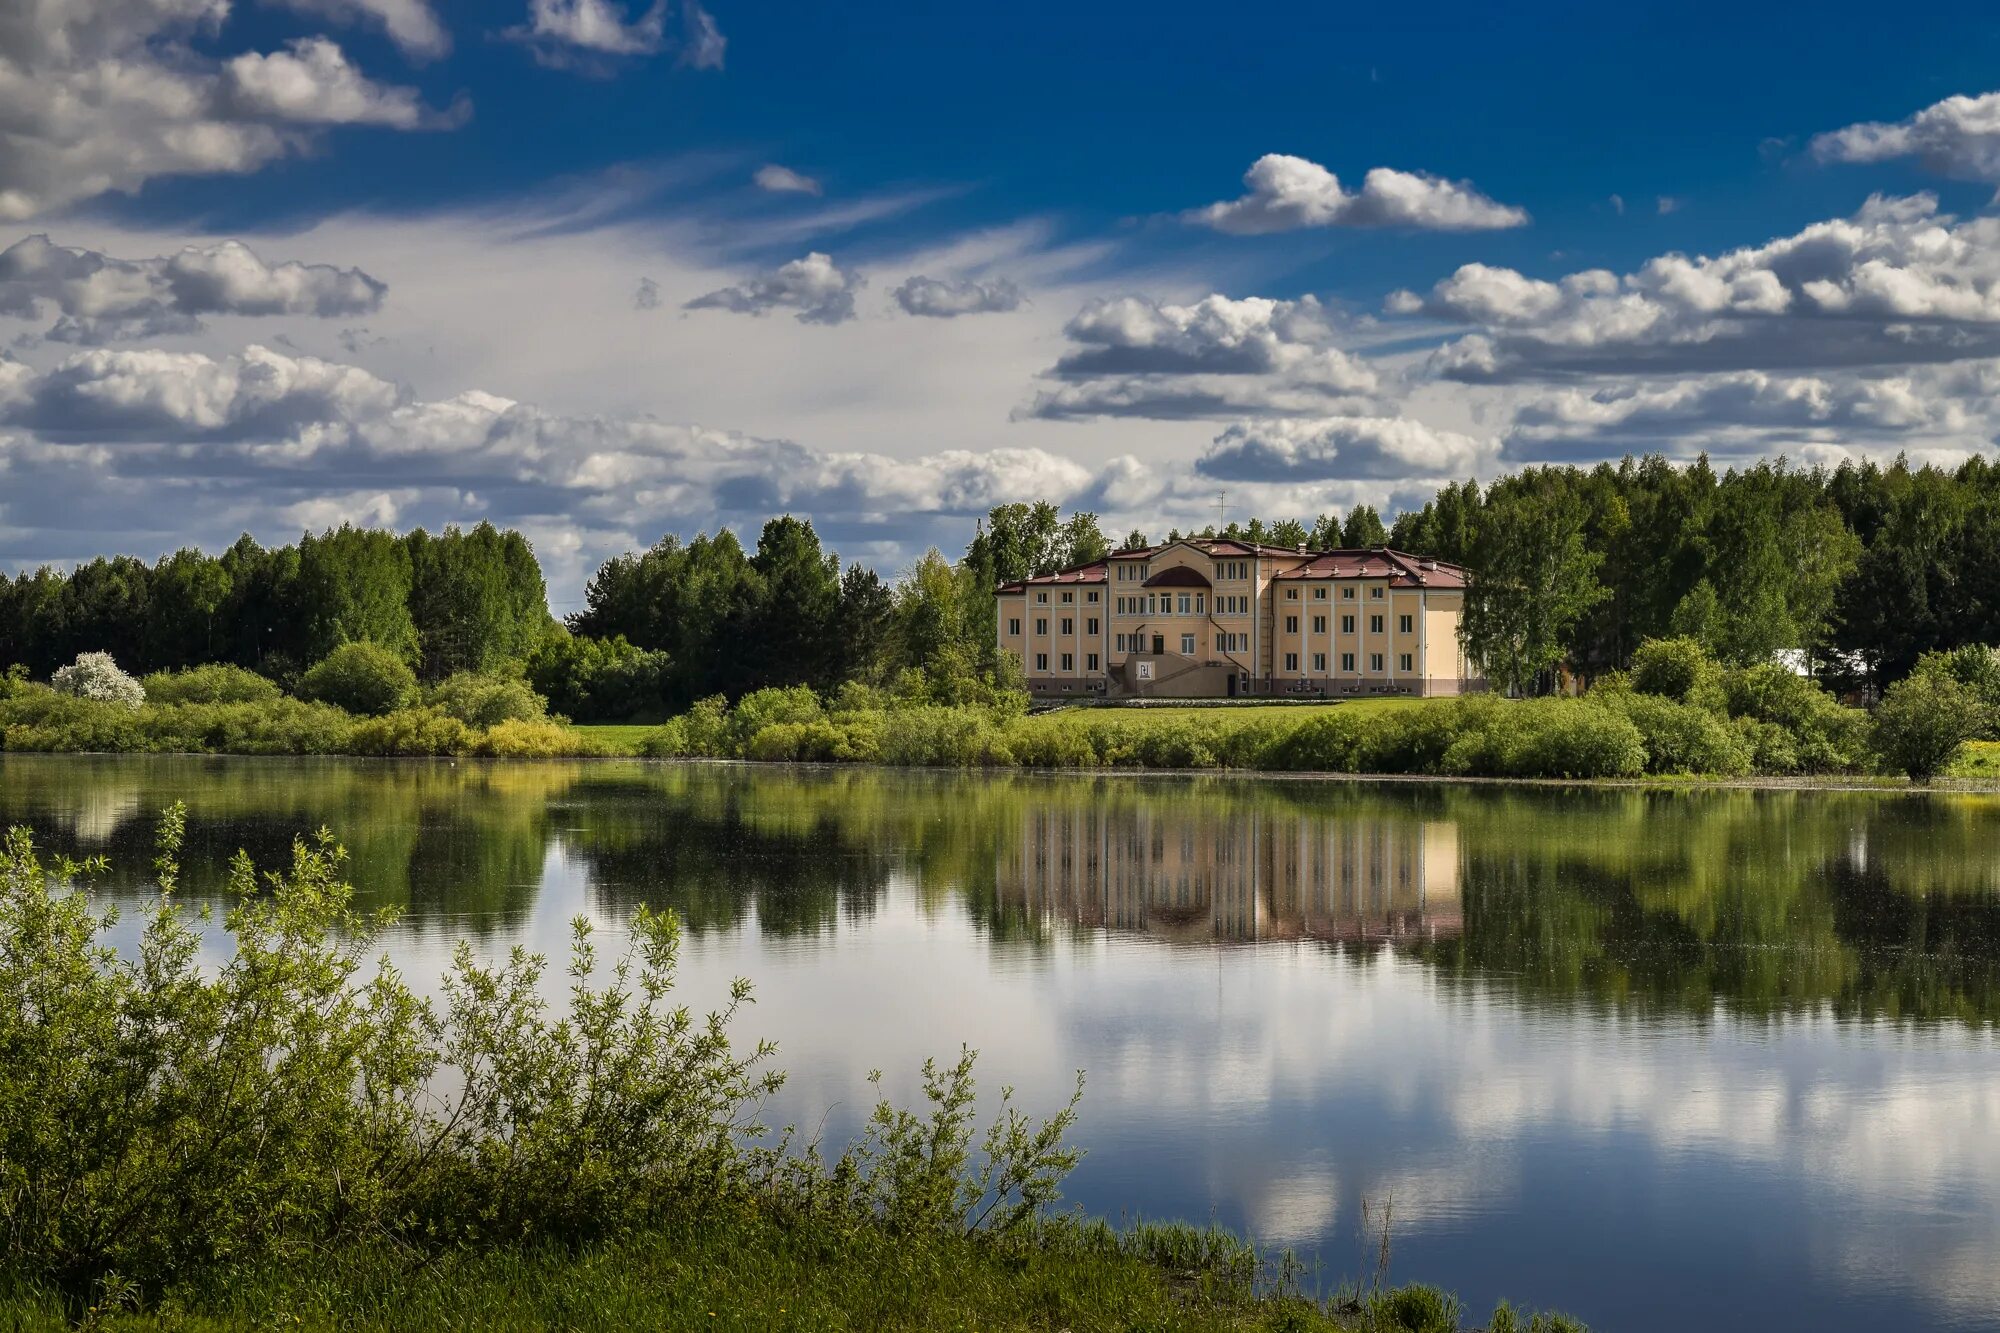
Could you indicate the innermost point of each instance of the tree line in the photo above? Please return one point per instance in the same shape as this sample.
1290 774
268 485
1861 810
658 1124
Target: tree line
452 602
1863 568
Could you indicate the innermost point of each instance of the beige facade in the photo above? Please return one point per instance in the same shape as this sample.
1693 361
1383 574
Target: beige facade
1203 619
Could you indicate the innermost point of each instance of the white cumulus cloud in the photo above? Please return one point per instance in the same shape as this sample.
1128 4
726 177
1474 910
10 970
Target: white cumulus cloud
1343 449
102 299
585 34
942 299
102 96
818 289
1287 193
411 24
1896 284
1134 356
1959 136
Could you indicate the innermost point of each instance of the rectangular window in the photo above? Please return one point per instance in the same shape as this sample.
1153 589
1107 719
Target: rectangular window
1200 603
1291 594
1319 594
1291 661
1374 661
1090 662
1041 625
1090 625
1319 624
1187 602
1347 661
1090 597
1014 626
1042 662
1319 662
1404 663
1403 624
1069 662
1118 643
1374 624
1187 645
1347 624
1291 624
1069 597
1068 625
1042 597
1375 593
1347 594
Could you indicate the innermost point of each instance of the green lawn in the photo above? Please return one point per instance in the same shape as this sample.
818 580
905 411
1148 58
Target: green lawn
1981 759
617 738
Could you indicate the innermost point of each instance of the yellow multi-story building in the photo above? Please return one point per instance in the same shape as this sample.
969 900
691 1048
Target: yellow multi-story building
1213 617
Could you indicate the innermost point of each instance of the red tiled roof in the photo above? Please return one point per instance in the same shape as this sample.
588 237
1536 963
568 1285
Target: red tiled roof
1094 572
1400 568
1379 563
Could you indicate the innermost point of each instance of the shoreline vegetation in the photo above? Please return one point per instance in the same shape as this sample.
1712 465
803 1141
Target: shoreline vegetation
1677 715
296 1136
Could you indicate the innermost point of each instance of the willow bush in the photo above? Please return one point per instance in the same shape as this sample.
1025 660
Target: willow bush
166 1113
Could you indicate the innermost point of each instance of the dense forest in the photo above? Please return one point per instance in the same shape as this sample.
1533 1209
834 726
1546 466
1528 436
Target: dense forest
1862 568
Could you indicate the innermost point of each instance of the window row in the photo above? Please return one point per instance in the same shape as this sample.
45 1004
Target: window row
1068 597
1405 662
1068 662
1067 625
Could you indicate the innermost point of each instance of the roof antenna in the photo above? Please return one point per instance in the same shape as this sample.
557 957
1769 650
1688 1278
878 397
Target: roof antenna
1221 510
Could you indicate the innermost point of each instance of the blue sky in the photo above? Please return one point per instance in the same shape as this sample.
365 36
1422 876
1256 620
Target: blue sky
606 271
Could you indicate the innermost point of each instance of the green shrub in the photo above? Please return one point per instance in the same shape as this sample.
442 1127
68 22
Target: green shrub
599 680
666 741
1825 735
704 729
1416 740
484 701
37 718
1050 742
216 683
174 1118
1678 669
363 678
1681 738
1921 724
762 708
1414 1309
935 735
1548 738
1326 743
411 732
276 726
1977 668
530 738
860 738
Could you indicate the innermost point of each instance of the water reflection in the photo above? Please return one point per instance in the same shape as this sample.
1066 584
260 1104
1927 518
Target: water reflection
1590 1042
1195 875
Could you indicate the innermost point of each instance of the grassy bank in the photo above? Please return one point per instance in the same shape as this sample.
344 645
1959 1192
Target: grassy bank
295 1137
742 1268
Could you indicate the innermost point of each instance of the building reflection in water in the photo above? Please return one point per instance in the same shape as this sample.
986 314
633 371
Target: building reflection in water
1170 871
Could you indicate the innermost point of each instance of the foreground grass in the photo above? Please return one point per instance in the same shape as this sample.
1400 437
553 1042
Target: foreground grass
738 1269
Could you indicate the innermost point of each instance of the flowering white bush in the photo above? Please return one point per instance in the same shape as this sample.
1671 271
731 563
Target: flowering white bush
96 676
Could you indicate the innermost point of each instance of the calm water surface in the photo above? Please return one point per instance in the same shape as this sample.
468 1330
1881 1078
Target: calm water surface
1666 1060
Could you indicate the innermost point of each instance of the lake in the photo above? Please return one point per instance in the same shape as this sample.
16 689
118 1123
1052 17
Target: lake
1663 1059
